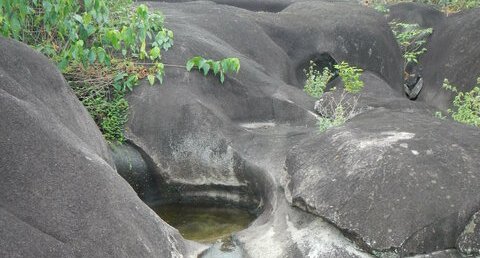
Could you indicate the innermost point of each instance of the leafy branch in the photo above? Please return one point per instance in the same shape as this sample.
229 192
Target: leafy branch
412 39
220 67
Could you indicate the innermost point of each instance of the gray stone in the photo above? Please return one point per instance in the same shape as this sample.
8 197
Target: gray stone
426 16
60 195
394 178
227 143
451 54
469 241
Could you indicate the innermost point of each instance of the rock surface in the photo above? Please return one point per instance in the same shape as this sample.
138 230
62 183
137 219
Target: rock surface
228 143
393 181
394 177
469 241
424 15
452 53
60 195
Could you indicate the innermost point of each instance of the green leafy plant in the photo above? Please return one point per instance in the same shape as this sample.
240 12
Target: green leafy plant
447 6
220 67
440 115
334 110
350 76
412 39
316 81
86 38
466 104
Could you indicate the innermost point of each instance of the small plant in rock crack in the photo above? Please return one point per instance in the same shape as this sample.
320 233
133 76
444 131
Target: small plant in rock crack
466 104
316 81
220 67
412 39
334 110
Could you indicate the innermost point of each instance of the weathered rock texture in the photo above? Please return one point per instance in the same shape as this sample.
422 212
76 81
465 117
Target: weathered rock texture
469 241
416 13
452 53
394 179
60 195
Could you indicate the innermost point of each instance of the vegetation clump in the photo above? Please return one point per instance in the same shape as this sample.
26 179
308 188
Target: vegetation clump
466 105
446 6
220 68
412 39
103 48
335 111
97 45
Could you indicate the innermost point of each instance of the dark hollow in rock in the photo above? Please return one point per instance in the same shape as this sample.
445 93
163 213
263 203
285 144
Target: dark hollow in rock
321 61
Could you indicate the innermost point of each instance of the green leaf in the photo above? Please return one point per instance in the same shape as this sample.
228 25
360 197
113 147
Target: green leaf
222 77
151 79
154 53
205 67
216 67
190 65
195 61
92 56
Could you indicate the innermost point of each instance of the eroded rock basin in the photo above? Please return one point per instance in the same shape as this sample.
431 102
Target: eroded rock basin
204 224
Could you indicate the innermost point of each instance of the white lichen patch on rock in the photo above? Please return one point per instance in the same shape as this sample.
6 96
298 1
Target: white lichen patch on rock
319 238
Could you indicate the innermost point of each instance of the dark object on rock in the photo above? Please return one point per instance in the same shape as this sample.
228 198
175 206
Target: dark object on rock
414 89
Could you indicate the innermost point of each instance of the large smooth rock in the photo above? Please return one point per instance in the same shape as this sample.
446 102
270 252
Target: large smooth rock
60 195
227 143
395 178
424 15
452 53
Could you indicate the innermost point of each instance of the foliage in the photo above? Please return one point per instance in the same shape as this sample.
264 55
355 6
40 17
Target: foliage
220 68
452 6
381 8
339 118
412 39
85 38
350 76
440 115
466 104
334 111
447 6
316 81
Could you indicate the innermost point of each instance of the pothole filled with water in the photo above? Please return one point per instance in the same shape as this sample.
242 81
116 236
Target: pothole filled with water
204 224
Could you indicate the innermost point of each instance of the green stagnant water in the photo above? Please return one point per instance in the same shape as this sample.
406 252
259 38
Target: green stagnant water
204 224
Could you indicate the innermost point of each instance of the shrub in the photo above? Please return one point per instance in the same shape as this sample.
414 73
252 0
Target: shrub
316 81
335 111
447 6
85 38
466 104
412 39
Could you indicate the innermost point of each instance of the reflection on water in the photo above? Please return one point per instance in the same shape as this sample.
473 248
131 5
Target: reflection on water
204 224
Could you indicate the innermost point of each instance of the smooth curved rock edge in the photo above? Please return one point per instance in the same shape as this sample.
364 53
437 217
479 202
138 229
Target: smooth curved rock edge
60 195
